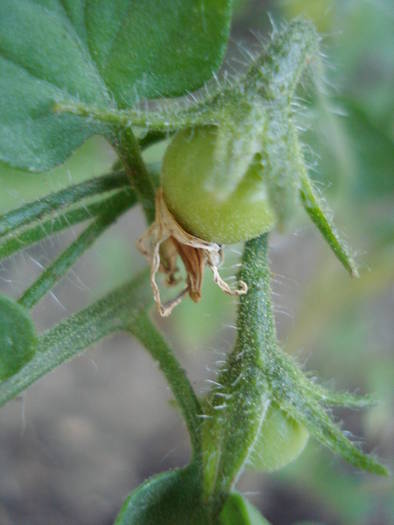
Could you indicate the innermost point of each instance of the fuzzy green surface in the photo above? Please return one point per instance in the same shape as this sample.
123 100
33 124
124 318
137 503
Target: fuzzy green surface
17 338
281 441
188 169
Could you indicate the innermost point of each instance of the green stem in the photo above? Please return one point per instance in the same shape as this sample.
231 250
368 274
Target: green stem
151 138
117 118
34 211
63 263
236 408
37 232
139 177
69 338
122 309
169 119
143 329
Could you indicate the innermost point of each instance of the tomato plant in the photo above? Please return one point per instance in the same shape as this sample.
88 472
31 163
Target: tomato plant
234 167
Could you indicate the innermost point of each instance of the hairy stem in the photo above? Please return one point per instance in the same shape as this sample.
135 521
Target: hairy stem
62 264
171 118
151 138
236 408
112 313
30 235
144 330
139 177
34 211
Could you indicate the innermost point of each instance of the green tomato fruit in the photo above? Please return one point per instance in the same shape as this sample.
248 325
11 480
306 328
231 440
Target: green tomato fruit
188 168
281 441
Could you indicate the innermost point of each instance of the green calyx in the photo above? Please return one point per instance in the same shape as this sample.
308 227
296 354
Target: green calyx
263 407
238 167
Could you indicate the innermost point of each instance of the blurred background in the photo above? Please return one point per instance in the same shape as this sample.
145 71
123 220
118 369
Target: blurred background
79 440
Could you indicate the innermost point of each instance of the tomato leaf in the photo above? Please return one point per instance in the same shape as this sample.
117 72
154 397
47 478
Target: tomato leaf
156 48
170 498
238 511
108 54
18 340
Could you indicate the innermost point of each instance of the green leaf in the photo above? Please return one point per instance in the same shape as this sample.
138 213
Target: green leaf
238 511
320 217
108 54
170 498
315 207
18 340
42 59
156 48
343 399
112 313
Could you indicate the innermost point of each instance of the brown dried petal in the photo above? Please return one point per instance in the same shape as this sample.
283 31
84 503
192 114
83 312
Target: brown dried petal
164 241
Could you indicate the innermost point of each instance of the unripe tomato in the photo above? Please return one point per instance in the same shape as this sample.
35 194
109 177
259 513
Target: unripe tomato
281 441
188 169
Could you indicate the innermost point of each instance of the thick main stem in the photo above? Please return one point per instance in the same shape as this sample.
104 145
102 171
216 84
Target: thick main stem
236 409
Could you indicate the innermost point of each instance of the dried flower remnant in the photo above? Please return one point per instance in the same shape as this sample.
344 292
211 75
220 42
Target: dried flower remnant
164 241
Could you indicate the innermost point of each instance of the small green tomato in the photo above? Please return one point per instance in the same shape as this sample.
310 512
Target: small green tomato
188 168
281 441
